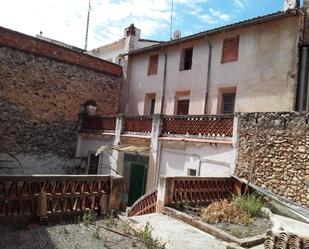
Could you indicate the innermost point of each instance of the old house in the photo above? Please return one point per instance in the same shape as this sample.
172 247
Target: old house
43 91
180 97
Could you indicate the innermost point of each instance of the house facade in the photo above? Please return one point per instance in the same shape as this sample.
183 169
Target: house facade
180 97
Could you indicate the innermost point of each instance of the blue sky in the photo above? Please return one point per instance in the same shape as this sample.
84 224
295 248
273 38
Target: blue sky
65 20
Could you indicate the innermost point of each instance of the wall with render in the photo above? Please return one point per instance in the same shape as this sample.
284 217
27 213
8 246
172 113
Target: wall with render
177 158
273 150
265 74
40 101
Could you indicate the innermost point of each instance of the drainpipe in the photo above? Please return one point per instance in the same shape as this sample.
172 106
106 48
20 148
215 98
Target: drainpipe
164 83
303 79
208 74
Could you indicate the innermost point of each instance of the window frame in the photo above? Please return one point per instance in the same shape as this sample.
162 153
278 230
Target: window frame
221 92
153 63
230 49
183 60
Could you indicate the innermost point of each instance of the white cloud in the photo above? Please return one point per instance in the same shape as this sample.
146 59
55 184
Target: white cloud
240 3
219 14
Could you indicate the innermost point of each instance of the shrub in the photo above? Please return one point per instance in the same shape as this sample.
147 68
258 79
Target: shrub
225 211
88 217
251 204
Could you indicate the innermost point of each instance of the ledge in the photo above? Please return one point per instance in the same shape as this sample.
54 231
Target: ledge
196 140
247 242
136 136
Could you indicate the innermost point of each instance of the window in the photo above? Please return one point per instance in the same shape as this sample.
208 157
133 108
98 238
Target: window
93 163
228 103
230 49
120 61
149 104
191 172
186 59
182 103
153 64
183 107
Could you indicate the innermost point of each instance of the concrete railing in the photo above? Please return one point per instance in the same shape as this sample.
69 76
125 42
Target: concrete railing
184 189
186 125
49 195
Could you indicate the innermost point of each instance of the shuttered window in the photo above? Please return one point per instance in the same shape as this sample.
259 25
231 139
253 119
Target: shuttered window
230 49
228 103
183 107
153 64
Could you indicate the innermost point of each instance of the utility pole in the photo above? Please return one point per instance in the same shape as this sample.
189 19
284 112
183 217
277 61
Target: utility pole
87 27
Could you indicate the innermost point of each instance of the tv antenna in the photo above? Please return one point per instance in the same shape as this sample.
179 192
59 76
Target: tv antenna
87 27
171 25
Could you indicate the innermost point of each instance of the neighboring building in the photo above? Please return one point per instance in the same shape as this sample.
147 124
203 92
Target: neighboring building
114 51
44 88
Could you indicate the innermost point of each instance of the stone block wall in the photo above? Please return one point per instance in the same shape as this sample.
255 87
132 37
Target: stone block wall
273 150
40 102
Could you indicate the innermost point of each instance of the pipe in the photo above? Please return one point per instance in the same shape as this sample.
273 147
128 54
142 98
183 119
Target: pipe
208 74
164 83
303 78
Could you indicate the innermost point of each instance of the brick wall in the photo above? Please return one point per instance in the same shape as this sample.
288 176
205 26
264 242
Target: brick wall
275 148
40 102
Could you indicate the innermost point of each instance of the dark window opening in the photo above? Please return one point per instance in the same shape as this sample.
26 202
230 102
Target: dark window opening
186 59
191 172
183 107
152 106
93 164
153 64
228 103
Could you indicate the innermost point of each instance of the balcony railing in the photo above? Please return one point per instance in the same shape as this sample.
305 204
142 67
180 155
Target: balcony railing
137 124
206 126
99 123
197 126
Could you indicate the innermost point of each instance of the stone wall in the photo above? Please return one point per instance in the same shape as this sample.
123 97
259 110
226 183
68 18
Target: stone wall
40 102
272 150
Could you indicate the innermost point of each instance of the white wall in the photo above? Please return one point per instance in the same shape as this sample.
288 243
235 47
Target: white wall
91 145
216 161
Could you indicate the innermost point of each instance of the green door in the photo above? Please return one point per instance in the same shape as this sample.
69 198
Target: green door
137 182
135 175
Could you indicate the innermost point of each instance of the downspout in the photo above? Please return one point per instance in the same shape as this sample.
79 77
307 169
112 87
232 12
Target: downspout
303 78
161 112
208 74
164 83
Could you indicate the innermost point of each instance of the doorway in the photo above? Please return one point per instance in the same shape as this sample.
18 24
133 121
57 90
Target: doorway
135 174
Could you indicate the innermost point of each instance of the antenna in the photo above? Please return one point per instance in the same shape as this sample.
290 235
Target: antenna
171 27
87 27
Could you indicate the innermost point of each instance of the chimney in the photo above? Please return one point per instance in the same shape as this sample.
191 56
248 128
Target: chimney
291 4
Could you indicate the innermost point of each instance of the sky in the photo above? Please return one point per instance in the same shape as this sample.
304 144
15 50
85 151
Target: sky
65 20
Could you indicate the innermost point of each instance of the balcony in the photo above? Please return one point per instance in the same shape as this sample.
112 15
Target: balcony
194 128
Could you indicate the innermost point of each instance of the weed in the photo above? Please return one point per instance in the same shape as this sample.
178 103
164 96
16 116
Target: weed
251 204
186 205
89 217
126 227
236 231
96 233
109 219
146 236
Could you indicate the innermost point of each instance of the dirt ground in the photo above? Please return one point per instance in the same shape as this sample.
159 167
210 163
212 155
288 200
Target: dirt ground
68 235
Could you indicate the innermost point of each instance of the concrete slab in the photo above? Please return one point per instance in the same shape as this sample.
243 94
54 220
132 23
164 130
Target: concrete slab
289 225
178 234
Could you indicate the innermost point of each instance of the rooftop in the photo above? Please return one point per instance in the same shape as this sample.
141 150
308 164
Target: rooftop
216 31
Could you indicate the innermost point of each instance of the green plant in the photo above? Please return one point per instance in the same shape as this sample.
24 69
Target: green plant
251 204
109 219
88 217
126 227
96 233
236 231
146 236
186 205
